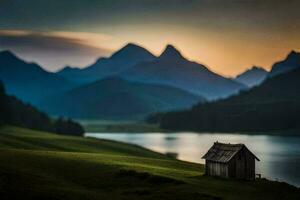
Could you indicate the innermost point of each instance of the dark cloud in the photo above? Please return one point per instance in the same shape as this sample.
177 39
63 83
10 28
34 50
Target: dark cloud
43 42
50 50
76 14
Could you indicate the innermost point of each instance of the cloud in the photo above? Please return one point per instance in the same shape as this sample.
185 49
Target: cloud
55 49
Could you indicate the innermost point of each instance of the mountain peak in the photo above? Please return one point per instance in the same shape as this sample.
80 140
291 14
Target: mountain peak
292 61
9 58
293 54
68 69
7 54
253 70
131 45
257 68
171 53
131 49
252 77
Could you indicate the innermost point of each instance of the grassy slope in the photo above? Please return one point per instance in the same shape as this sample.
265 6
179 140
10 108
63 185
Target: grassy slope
35 164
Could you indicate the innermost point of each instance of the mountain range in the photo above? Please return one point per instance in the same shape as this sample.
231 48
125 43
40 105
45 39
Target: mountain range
172 69
120 61
136 64
256 75
146 83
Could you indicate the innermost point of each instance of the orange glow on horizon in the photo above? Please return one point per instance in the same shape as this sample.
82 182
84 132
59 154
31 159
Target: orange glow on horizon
227 55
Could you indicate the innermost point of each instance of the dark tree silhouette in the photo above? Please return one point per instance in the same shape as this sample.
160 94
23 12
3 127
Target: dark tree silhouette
15 112
68 127
274 105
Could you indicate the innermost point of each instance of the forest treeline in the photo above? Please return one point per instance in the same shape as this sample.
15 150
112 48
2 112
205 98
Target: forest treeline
15 112
274 105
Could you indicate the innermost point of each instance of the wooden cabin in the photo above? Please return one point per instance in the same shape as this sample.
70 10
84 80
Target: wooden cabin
230 161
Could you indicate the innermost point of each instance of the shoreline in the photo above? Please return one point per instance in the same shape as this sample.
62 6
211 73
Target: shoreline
137 127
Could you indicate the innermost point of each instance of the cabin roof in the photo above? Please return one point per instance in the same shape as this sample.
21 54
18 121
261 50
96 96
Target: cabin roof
221 152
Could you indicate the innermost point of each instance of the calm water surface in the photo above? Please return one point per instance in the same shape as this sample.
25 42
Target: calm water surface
280 156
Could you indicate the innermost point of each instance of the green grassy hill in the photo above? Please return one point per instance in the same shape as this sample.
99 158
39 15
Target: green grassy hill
38 165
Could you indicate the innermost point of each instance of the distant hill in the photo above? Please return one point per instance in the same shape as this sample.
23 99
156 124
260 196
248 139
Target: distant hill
172 69
121 60
28 81
274 105
114 98
252 77
291 62
15 112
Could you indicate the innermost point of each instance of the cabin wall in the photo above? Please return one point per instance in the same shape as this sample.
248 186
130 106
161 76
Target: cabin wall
216 169
242 166
250 166
232 168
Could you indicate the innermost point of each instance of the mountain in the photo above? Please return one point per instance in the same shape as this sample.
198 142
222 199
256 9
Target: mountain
28 81
172 69
273 105
135 63
15 112
114 98
291 62
121 60
252 77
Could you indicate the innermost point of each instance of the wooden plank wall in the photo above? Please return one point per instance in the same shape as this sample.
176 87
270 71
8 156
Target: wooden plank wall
216 169
242 166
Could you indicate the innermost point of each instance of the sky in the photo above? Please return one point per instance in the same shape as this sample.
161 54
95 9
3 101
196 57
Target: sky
228 36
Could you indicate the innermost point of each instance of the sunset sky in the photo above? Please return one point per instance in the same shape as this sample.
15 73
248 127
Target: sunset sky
228 36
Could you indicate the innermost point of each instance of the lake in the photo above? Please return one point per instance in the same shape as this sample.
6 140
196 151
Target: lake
279 155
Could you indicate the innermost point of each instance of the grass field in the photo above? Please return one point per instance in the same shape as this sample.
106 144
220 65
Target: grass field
38 165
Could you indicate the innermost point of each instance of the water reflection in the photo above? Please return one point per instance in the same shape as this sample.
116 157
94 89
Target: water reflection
280 156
